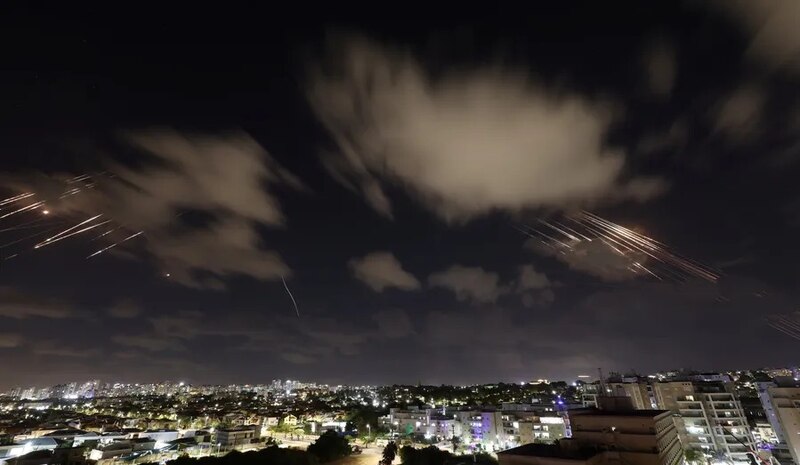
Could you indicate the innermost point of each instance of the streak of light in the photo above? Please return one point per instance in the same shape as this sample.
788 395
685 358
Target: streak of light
785 323
115 244
80 178
786 331
73 227
105 233
627 243
639 265
26 208
42 233
564 244
88 228
286 286
584 237
574 238
16 198
70 192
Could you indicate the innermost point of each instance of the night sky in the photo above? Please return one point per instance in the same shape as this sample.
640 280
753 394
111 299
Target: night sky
381 162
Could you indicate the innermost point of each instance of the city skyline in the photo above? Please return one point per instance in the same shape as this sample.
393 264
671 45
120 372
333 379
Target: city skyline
229 196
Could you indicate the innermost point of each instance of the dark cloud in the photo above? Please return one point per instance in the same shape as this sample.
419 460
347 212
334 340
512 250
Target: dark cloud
529 279
536 299
382 270
18 305
148 342
393 323
64 350
535 287
125 309
469 283
738 116
661 67
626 326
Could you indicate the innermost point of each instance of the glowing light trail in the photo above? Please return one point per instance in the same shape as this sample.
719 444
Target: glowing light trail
114 244
663 263
286 286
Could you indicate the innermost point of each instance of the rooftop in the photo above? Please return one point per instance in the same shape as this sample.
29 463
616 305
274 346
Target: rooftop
618 413
238 428
552 451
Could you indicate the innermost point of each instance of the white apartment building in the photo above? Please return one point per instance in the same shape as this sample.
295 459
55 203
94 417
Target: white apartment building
715 422
782 406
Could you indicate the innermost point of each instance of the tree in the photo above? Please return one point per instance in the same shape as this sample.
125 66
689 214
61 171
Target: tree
430 455
692 455
389 452
367 439
455 441
330 446
271 455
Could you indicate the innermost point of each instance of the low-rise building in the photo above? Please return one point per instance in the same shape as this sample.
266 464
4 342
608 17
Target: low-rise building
236 437
115 449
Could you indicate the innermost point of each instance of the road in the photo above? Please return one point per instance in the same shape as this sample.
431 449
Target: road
369 456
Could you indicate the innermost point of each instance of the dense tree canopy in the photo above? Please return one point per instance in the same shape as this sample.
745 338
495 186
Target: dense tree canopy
271 455
330 446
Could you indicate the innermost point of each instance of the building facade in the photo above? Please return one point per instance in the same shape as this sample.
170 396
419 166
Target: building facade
236 437
629 437
782 406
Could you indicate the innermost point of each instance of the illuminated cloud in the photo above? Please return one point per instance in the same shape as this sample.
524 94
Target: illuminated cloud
773 31
594 258
465 143
738 115
10 340
199 199
469 283
382 270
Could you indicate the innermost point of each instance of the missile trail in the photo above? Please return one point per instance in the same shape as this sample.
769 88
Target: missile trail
294 302
114 244
47 242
